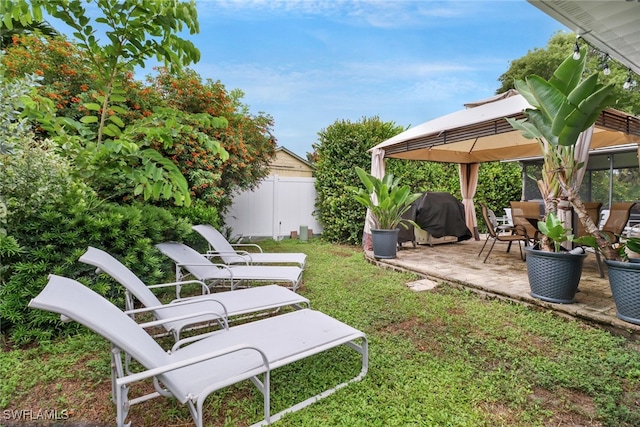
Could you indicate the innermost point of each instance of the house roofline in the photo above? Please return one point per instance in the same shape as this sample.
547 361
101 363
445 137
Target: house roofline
291 153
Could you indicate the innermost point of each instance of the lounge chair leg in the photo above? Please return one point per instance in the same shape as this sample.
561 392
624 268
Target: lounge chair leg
264 387
520 247
196 411
267 397
122 406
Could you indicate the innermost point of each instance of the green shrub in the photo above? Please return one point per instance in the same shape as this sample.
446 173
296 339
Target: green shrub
427 176
343 146
498 184
197 213
55 237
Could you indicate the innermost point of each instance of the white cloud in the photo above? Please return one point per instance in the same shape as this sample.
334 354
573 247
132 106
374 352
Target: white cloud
375 13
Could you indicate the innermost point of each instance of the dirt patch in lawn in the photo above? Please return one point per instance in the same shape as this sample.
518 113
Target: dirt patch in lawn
565 407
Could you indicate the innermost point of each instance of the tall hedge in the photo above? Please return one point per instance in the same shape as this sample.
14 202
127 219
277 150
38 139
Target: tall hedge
344 145
498 184
340 148
425 176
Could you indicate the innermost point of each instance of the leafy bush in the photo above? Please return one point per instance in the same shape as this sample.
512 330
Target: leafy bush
344 145
341 147
196 125
427 176
50 220
53 239
198 213
35 175
498 184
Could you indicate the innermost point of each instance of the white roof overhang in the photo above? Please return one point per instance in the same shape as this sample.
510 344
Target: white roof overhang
612 26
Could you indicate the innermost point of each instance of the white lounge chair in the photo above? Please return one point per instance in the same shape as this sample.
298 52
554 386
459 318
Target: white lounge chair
220 246
200 267
191 373
224 305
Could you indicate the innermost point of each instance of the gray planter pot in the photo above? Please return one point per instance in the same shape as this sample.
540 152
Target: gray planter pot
554 276
624 279
385 243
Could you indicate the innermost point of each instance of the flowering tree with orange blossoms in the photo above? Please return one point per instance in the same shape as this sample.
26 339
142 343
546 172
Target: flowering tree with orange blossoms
136 30
65 77
248 138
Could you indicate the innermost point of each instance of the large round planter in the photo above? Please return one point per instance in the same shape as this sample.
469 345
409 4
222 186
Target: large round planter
554 276
385 243
624 279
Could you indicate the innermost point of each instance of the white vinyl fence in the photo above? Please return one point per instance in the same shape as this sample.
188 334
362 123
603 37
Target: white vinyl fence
277 207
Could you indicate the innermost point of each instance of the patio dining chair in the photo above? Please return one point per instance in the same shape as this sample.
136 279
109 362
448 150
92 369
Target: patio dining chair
496 234
617 220
220 307
523 213
231 254
198 366
191 262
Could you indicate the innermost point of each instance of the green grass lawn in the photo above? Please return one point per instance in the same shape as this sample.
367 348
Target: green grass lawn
439 358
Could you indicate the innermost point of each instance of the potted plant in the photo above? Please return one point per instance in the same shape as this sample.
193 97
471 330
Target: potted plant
563 107
387 201
554 276
624 277
632 249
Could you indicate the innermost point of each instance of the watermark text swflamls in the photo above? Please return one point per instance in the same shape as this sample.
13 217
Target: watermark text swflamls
39 415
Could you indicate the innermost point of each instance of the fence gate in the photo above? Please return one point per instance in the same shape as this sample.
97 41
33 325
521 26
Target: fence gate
278 206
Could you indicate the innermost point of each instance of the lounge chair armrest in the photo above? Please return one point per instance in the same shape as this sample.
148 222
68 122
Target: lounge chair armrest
205 289
194 338
520 229
200 264
251 245
139 376
240 255
210 264
198 298
185 317
180 302
211 252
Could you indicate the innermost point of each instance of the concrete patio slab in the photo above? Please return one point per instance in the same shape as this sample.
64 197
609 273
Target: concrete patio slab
504 275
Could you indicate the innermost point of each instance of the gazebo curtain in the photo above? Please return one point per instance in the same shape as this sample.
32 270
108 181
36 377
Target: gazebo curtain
377 170
468 184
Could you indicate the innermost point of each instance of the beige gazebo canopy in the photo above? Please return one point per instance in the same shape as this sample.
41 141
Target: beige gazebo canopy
480 133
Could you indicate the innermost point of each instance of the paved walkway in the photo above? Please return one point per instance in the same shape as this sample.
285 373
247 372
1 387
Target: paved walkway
504 275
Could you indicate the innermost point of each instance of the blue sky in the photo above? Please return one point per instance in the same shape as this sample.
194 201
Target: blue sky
309 63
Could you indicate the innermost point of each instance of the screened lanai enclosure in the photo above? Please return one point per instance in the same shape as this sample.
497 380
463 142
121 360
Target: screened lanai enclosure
612 175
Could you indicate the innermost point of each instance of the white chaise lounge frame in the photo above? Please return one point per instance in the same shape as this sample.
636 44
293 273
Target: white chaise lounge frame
229 253
226 306
190 262
216 360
